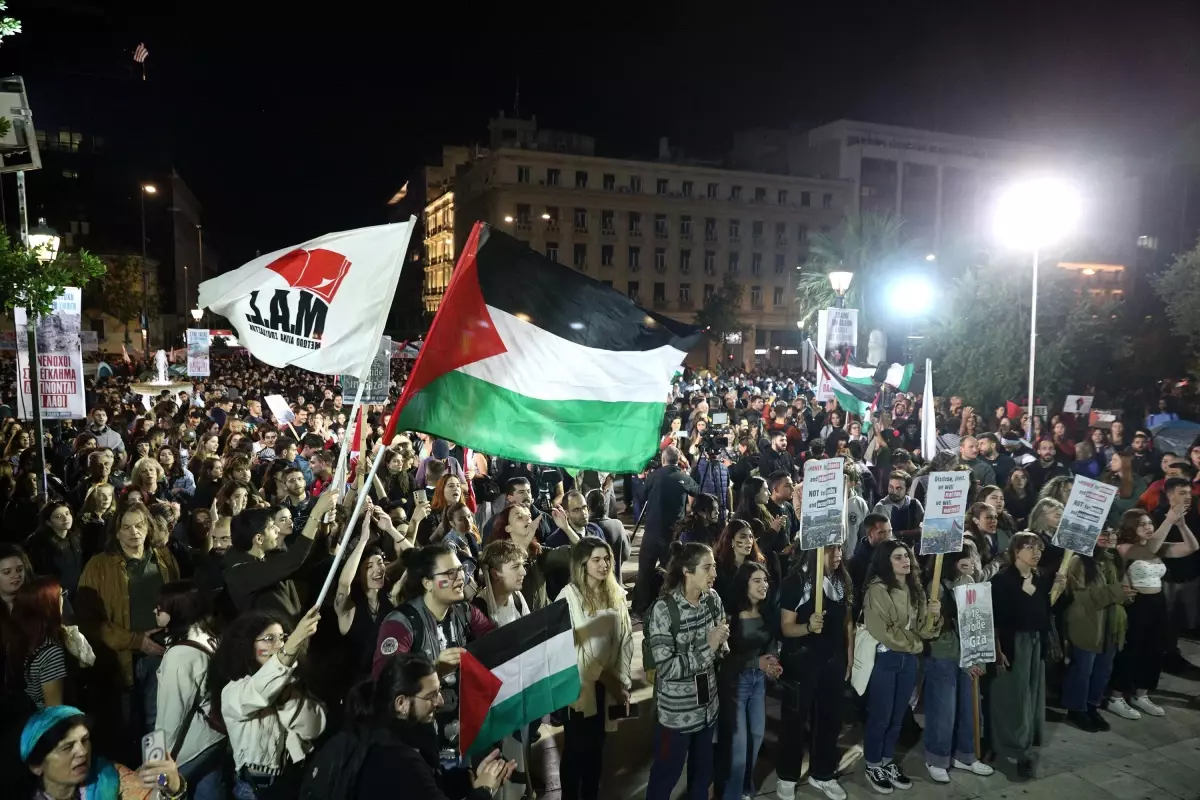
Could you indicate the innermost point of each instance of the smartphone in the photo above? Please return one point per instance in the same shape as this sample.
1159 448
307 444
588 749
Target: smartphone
154 746
702 689
420 497
618 712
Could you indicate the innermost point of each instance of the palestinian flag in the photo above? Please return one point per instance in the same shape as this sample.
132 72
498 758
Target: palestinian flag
515 675
853 394
530 360
896 375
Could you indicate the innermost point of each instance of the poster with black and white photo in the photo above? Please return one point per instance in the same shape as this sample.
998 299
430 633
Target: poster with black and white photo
837 337
945 512
1083 515
821 504
976 624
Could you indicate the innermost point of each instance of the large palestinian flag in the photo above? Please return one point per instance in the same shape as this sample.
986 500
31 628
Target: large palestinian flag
855 395
516 674
530 360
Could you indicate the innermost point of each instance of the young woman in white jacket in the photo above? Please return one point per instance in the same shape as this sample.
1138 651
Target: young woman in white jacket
184 706
271 720
604 648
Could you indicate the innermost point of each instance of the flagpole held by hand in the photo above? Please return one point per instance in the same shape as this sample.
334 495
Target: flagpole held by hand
360 501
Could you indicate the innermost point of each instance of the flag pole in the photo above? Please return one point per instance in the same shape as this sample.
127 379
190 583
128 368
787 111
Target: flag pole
360 501
339 472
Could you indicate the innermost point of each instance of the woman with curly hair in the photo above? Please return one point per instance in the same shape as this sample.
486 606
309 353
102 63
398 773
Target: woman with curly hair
702 523
269 717
18 443
735 546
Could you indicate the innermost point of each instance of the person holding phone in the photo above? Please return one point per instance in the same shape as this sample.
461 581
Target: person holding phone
685 659
604 648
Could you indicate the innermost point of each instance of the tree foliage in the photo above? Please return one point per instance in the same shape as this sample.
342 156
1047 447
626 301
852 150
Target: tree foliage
120 293
867 244
719 314
979 338
27 282
1179 287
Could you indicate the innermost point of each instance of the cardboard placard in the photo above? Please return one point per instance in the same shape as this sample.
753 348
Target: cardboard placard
945 512
976 624
822 502
1084 515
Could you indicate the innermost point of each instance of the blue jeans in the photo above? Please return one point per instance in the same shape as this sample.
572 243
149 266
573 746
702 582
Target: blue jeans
949 725
205 774
888 693
671 749
1086 679
744 724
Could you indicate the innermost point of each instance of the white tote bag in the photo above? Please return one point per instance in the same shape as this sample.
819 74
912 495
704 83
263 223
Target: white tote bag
864 658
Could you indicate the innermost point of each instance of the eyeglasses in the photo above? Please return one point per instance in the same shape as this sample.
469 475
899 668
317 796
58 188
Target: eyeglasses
273 639
428 698
451 573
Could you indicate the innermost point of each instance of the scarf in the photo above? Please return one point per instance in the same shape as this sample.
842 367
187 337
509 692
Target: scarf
102 782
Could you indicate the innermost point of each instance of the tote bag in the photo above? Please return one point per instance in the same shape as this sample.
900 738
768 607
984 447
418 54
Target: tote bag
865 646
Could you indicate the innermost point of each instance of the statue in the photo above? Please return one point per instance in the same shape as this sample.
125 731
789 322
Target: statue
877 348
160 358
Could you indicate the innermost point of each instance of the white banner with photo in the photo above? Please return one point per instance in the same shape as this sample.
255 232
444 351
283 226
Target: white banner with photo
197 352
60 361
945 512
837 338
1084 515
976 624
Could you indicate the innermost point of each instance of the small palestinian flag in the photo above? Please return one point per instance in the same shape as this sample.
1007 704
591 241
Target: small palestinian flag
515 675
529 360
855 396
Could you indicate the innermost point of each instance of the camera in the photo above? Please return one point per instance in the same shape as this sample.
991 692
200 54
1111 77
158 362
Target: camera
547 479
718 436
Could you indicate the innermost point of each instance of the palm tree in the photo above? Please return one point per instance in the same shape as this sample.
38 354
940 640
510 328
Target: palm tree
866 244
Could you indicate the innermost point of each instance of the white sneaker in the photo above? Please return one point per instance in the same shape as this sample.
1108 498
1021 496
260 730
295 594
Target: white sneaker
1122 709
1143 703
977 767
830 788
937 774
786 790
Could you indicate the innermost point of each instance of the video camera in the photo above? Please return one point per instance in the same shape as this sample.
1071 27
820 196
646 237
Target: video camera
717 437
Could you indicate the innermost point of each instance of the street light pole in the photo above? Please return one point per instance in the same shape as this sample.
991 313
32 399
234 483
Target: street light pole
1033 331
145 189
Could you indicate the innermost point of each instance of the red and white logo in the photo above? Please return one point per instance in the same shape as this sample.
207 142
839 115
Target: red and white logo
320 271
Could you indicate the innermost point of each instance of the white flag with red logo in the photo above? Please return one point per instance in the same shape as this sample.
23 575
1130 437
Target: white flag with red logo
320 305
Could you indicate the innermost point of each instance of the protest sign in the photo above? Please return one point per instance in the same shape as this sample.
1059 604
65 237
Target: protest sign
822 503
1078 403
60 361
945 512
379 382
976 624
1083 515
280 408
837 337
197 352
1102 418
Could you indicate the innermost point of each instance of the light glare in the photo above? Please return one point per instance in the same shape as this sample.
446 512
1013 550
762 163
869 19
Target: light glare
911 295
1036 213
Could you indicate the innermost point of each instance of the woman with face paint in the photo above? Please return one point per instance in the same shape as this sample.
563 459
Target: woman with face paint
735 547
604 649
271 720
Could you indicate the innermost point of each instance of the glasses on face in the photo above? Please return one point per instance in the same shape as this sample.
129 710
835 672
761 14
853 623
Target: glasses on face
451 573
273 639
429 697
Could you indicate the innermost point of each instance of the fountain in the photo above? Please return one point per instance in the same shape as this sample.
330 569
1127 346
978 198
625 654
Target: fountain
162 381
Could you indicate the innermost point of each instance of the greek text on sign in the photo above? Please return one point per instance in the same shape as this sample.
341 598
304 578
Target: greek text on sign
942 529
976 624
60 361
821 503
1084 515
379 382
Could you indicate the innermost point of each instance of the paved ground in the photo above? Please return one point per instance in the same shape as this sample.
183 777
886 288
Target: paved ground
1147 759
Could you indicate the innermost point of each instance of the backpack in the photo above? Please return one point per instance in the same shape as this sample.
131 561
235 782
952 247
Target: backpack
459 610
208 718
332 773
709 601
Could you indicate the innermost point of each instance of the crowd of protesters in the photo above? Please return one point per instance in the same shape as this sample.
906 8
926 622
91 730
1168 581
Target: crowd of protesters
162 576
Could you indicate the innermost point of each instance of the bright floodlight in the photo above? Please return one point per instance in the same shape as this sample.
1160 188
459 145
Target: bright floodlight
1037 212
149 188
197 314
840 281
911 295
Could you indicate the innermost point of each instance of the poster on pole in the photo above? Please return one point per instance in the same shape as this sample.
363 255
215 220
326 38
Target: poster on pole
1078 403
379 382
60 361
837 338
945 512
976 624
280 408
1083 515
821 504
197 352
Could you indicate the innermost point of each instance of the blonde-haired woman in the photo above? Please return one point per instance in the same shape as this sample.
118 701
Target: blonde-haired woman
604 648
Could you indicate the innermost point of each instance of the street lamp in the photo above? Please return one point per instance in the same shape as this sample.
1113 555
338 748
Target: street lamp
1030 215
197 314
147 188
44 241
840 281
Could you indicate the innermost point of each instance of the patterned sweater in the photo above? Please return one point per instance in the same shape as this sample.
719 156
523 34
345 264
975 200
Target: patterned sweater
679 658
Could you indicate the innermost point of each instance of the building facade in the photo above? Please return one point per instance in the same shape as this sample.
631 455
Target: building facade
666 234
945 186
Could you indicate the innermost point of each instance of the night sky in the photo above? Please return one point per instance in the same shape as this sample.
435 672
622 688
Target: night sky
296 123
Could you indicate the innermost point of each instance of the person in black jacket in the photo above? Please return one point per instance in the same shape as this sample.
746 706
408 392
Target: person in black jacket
666 503
391 742
776 458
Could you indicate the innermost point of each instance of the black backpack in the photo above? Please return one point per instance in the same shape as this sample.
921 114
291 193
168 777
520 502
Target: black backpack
332 773
460 610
